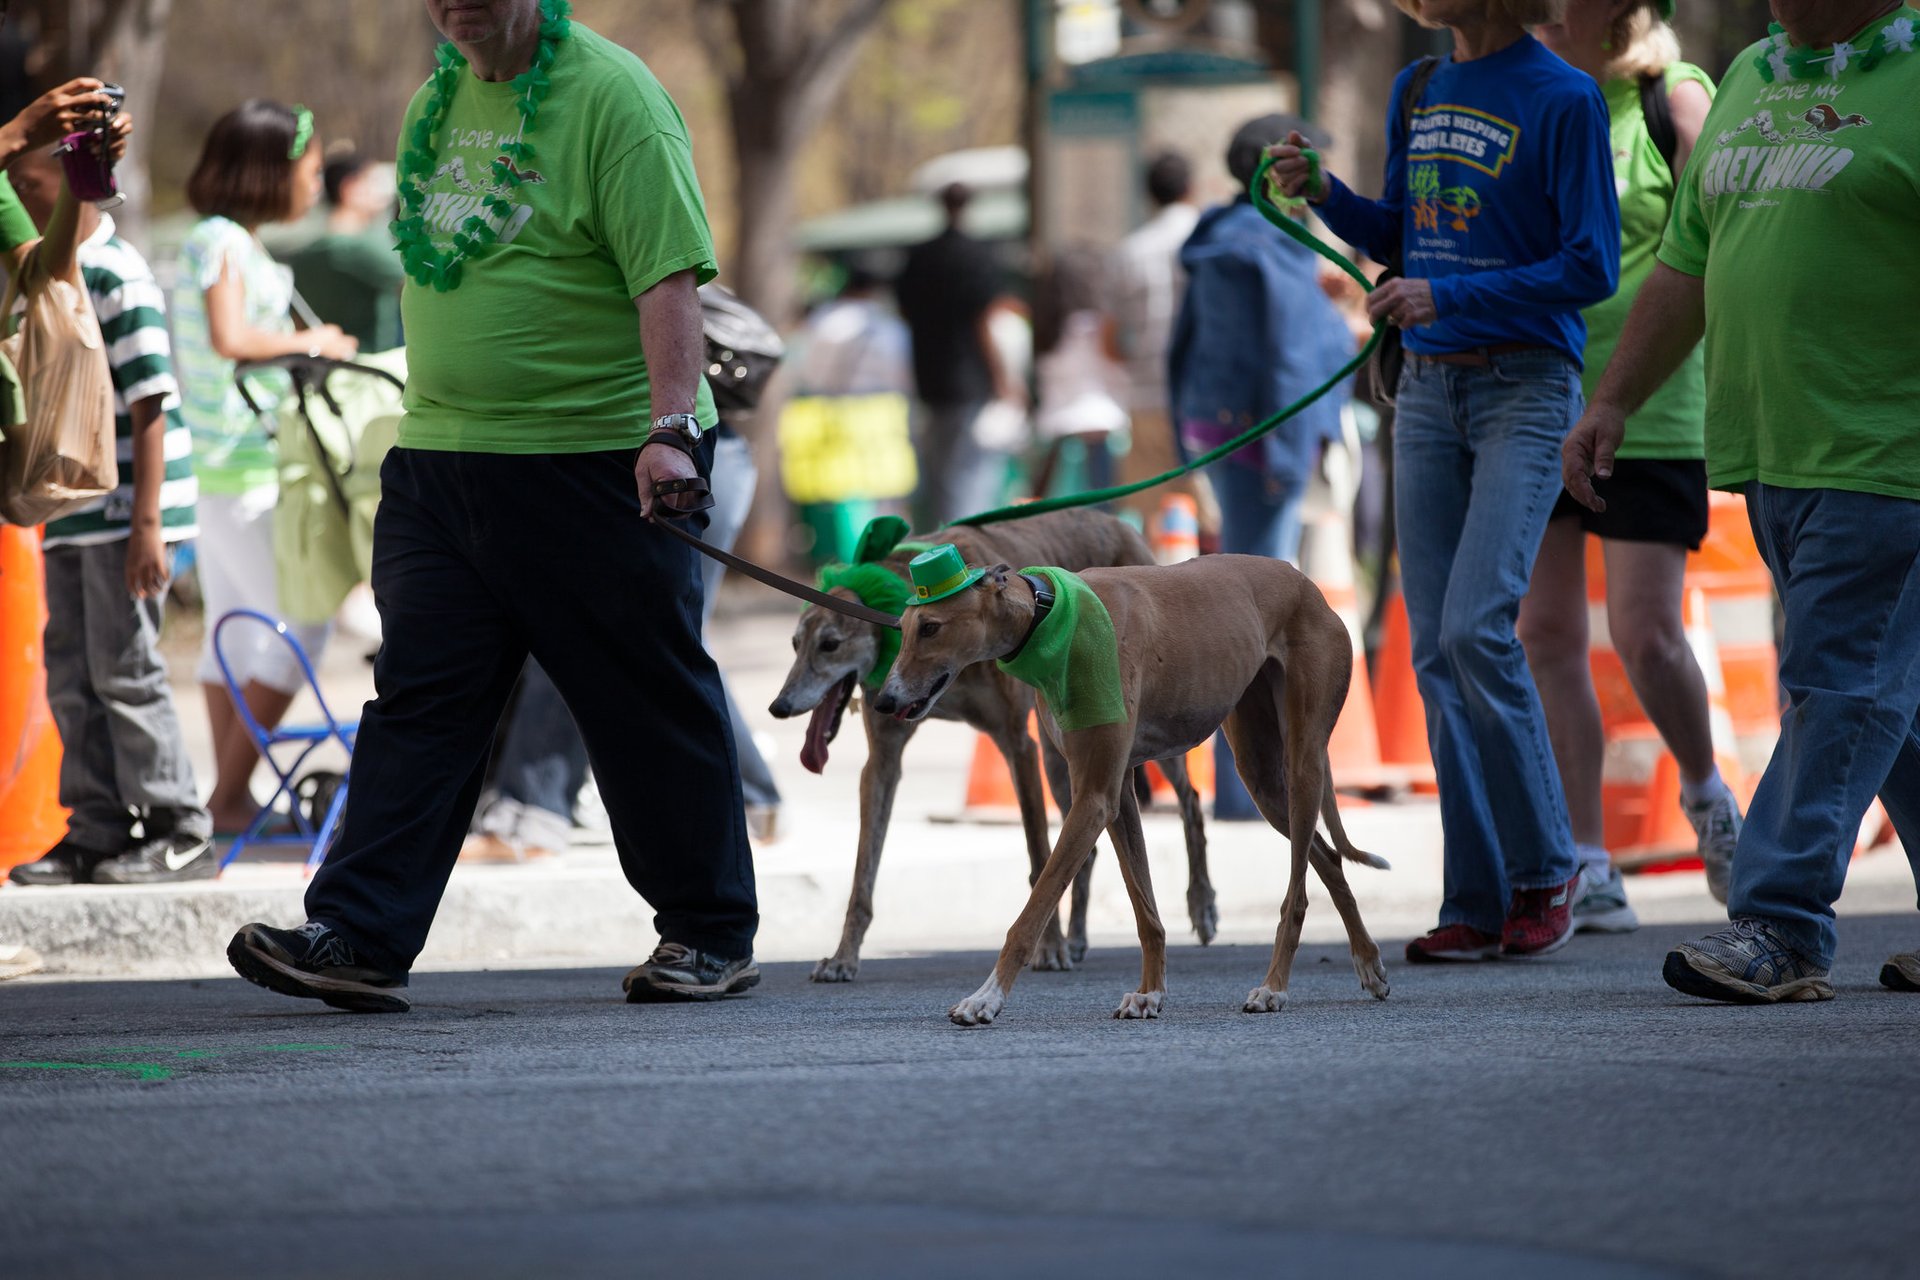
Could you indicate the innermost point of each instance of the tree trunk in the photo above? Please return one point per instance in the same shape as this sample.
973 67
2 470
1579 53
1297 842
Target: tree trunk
1362 49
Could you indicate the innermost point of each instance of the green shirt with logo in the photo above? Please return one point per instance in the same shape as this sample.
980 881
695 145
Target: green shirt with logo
1801 208
1672 424
538 349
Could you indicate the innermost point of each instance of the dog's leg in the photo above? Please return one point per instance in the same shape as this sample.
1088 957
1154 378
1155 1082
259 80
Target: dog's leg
1130 850
1260 751
879 780
1017 748
1098 758
1366 954
1308 712
1202 909
1060 779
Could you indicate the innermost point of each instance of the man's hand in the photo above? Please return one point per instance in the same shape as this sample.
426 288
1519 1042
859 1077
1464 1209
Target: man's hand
1291 170
1404 303
53 115
1588 453
146 564
659 462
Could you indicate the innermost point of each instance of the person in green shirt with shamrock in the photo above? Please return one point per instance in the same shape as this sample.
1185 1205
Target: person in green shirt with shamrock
553 234
1792 248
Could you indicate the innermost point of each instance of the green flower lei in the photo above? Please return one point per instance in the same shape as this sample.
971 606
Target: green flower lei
436 268
1780 59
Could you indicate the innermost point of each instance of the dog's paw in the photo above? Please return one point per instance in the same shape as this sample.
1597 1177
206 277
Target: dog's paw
980 1008
1373 975
836 969
1051 956
1202 912
1140 1004
1264 1000
1077 948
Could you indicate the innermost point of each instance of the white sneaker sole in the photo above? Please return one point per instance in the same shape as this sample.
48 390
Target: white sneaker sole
1621 919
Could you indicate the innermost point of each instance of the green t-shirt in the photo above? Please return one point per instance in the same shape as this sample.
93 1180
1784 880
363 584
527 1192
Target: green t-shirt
16 228
1673 423
1801 208
538 349
353 281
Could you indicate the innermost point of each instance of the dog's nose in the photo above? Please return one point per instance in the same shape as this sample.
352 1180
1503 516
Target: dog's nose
885 703
781 708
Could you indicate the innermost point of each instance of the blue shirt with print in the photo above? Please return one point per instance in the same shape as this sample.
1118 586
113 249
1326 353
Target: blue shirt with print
1502 196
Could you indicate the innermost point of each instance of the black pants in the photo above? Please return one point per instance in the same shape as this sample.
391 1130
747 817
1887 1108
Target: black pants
479 560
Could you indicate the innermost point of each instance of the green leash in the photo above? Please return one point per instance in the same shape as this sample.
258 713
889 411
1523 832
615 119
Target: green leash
1273 214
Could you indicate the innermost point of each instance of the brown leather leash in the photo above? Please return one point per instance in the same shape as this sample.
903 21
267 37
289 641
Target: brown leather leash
697 488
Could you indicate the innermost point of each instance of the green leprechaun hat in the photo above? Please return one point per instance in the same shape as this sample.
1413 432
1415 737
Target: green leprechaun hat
939 573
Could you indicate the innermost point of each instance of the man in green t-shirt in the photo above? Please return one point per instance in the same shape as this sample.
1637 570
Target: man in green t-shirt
1792 246
547 191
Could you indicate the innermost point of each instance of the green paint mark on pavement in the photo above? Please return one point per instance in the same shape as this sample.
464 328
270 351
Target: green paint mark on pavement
154 1070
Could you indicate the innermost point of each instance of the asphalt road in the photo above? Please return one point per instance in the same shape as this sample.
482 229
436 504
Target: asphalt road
1568 1116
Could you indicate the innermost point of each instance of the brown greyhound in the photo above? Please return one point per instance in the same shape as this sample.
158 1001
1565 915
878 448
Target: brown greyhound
834 654
1240 640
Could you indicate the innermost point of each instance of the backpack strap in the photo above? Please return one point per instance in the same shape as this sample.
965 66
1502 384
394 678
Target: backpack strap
1409 99
1657 106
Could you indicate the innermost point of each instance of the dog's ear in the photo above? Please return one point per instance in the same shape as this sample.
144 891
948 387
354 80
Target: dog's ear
1000 574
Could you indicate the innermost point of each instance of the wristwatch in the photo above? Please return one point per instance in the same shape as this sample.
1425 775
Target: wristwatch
676 430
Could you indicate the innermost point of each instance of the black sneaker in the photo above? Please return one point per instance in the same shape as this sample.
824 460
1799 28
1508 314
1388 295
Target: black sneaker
674 972
65 863
316 963
162 860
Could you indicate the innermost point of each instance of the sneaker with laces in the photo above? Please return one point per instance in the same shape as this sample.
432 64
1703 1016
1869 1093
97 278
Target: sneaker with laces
1748 962
162 860
315 963
1716 823
65 863
1541 920
1452 943
676 972
1604 907
1901 972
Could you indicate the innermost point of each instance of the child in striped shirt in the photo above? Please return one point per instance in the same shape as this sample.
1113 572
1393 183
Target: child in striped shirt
124 761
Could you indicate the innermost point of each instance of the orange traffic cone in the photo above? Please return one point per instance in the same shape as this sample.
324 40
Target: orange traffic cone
31 819
1640 780
1176 535
1400 718
991 797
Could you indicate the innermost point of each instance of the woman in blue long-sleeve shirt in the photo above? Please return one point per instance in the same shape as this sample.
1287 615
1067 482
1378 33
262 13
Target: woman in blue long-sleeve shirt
1501 198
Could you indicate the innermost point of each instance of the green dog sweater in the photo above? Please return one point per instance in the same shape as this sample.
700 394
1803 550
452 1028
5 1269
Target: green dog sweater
1072 657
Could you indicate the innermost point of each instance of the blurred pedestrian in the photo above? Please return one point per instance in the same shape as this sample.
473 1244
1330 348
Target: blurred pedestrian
1254 333
1146 283
1791 249
350 274
514 516
123 759
1500 202
260 164
1657 495
1077 369
947 291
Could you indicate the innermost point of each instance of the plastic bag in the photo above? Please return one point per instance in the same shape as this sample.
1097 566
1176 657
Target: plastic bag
64 454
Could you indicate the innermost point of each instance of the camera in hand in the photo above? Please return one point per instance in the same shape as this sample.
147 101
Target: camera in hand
85 157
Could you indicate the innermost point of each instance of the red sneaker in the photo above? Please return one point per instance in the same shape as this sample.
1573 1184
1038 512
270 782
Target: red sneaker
1452 942
1541 920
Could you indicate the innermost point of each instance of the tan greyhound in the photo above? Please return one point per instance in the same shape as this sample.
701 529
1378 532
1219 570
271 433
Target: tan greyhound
1240 640
834 654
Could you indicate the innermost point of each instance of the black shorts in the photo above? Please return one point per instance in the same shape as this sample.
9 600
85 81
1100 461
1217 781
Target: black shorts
1648 500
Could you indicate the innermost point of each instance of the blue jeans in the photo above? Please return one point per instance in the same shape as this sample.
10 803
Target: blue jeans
1476 456
1847 566
1259 516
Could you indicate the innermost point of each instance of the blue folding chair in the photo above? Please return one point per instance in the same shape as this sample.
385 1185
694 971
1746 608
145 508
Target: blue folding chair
308 738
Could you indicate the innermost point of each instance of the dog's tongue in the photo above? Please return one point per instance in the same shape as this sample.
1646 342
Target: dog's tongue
824 725
813 753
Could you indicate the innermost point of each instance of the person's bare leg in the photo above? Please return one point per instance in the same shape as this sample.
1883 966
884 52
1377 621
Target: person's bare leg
1645 583
232 804
1553 629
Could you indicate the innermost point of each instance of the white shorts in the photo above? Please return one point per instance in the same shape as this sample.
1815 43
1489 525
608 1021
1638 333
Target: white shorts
235 555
